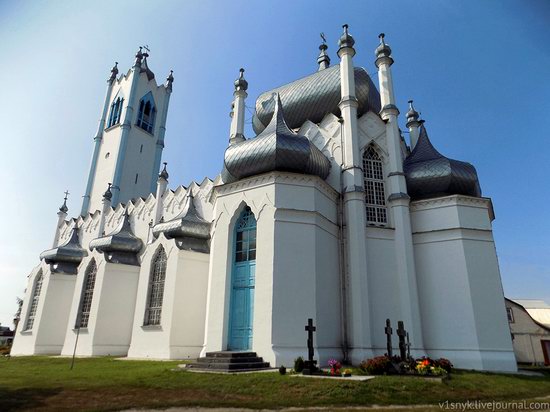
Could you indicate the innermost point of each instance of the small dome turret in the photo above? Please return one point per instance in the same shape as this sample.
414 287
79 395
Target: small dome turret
383 50
164 173
114 72
346 40
412 115
241 83
63 208
108 195
430 174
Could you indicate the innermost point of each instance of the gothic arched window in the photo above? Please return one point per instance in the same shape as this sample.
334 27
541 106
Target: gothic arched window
245 249
87 295
34 301
375 197
116 111
156 288
147 113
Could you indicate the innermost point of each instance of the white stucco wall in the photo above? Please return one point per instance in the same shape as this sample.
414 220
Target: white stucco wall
181 332
48 332
297 273
109 327
460 291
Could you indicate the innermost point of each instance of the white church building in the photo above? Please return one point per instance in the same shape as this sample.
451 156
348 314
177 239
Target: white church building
328 213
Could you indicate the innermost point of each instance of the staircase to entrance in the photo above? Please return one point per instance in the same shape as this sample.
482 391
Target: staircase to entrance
227 361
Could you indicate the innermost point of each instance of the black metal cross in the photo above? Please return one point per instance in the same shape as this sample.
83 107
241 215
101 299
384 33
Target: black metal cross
66 194
401 332
388 331
310 329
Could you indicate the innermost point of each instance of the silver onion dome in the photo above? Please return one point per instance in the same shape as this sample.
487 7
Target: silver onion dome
164 173
120 246
383 50
430 174
313 97
241 83
66 257
190 230
276 148
346 40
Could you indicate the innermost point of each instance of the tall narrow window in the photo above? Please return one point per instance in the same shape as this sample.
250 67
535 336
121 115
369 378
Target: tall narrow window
147 113
34 301
375 197
87 294
116 110
156 288
245 249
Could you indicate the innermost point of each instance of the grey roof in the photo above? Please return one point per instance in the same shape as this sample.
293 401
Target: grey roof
312 97
187 224
275 148
120 246
65 257
430 174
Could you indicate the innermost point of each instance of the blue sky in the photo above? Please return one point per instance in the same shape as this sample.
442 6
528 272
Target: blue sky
477 70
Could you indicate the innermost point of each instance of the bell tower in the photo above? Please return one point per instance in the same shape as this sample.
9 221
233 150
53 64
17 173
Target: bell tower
130 136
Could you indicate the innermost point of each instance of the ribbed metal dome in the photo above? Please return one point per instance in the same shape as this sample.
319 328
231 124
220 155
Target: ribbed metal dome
312 97
120 246
430 174
275 148
66 257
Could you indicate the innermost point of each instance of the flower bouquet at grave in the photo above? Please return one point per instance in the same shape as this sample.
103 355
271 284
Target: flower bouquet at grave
335 367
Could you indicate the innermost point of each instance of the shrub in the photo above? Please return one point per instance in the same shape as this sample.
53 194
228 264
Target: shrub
444 364
282 370
5 350
299 364
376 366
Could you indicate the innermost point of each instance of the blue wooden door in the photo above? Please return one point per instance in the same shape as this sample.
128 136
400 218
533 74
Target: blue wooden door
242 283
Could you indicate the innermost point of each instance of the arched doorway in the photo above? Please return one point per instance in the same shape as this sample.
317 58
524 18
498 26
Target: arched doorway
242 283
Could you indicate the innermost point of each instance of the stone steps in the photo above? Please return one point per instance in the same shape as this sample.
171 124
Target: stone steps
226 361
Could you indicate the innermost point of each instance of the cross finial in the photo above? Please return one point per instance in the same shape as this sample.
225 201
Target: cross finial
66 194
323 37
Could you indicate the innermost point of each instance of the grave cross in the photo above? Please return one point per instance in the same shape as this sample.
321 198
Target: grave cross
401 332
310 329
310 363
408 345
388 332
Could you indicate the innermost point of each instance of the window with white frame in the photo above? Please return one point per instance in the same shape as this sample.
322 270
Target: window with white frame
375 197
156 288
87 294
34 301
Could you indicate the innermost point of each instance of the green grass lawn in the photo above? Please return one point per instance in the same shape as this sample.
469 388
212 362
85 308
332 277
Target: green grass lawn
107 384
